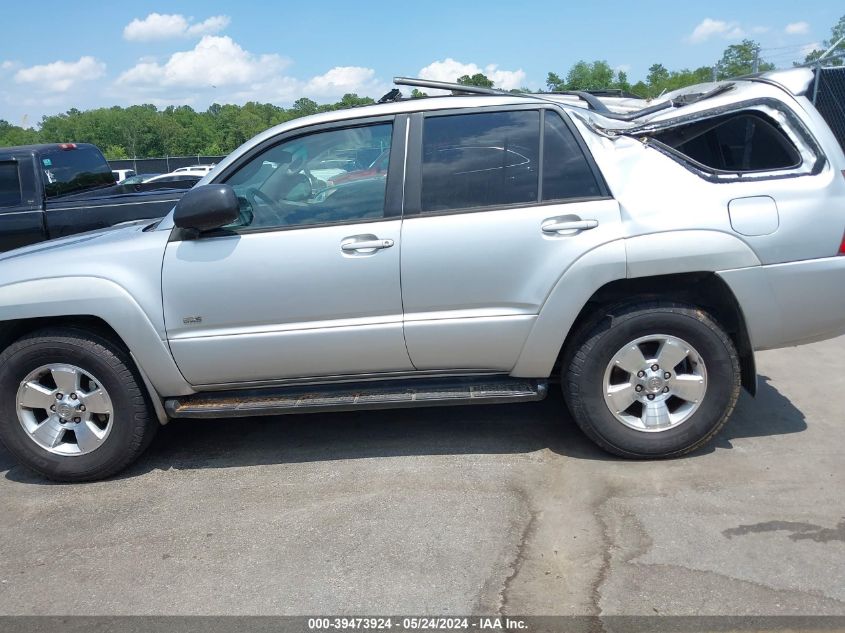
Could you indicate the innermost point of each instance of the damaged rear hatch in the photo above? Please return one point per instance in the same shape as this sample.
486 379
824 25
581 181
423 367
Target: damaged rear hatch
724 131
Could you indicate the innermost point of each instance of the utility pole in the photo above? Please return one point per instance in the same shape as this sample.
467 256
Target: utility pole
755 65
715 77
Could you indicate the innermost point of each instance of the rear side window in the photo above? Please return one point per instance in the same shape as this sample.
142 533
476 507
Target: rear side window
482 159
10 184
566 173
738 142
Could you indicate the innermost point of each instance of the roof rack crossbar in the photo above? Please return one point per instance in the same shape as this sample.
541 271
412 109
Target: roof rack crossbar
447 85
590 100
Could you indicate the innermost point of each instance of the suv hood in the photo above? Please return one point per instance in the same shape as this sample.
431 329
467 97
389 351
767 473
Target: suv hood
79 240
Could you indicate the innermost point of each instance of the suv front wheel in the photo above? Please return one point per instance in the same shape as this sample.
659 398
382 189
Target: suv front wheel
71 405
652 380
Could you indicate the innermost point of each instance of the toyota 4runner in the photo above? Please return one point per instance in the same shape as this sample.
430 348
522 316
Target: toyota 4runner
638 254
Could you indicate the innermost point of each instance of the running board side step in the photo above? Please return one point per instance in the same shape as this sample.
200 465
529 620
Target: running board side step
356 396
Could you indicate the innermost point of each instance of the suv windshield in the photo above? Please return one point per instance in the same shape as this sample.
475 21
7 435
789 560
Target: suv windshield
69 171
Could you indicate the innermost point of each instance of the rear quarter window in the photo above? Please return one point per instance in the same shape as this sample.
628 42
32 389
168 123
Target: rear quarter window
566 172
736 142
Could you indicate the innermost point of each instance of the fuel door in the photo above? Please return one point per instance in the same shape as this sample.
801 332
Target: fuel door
754 216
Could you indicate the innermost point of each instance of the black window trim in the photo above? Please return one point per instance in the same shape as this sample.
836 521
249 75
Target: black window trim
393 186
413 173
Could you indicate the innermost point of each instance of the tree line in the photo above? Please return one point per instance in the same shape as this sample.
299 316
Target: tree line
146 131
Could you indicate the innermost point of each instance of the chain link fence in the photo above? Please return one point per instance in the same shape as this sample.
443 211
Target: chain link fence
163 165
828 95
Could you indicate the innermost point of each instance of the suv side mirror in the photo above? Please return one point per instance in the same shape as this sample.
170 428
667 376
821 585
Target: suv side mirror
207 207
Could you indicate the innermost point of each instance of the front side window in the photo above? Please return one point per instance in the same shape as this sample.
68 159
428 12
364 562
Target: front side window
10 184
479 160
323 178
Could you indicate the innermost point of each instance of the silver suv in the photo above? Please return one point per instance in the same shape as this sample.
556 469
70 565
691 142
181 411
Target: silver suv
462 249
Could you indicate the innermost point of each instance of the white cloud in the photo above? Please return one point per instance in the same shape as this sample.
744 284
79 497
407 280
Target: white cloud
343 79
61 76
215 61
622 68
809 48
757 30
709 28
450 69
8 65
209 26
797 28
219 69
162 26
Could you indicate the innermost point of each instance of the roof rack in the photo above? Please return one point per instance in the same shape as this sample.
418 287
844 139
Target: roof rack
592 101
614 92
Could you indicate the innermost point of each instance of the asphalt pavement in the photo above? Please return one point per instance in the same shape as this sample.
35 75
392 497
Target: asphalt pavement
492 510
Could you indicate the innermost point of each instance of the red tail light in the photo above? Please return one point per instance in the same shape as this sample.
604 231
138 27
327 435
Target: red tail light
67 145
842 246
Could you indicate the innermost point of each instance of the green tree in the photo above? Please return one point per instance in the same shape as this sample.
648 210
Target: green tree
640 89
657 78
417 94
351 100
15 135
583 75
836 34
115 152
478 79
738 60
622 81
597 75
304 106
554 83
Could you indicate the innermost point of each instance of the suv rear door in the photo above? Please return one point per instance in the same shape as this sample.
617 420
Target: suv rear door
499 203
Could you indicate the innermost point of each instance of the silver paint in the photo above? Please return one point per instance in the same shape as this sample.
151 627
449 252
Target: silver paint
488 291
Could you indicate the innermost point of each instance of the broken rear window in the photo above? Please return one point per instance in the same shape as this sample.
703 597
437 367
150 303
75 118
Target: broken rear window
744 141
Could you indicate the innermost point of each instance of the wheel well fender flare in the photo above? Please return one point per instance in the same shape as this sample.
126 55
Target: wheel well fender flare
63 298
635 265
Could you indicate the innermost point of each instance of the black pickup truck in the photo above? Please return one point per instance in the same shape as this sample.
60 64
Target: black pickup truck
48 191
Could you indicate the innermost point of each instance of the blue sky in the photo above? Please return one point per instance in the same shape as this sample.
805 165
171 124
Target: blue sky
58 55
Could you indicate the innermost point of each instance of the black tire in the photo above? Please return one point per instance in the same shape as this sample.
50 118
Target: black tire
595 345
133 427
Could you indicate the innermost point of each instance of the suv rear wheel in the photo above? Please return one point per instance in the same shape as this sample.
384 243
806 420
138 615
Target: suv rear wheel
652 380
71 405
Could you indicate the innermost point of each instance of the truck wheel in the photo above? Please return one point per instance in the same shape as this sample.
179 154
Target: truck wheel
71 405
652 380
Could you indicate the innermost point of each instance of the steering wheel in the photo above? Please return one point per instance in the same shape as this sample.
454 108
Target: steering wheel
278 213
260 195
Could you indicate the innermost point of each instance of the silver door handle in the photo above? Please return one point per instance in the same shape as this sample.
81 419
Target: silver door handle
573 225
350 246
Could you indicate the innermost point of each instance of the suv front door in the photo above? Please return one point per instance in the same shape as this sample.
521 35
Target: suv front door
499 203
306 283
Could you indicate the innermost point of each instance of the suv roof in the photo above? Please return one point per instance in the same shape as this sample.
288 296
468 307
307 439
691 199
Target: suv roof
612 113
